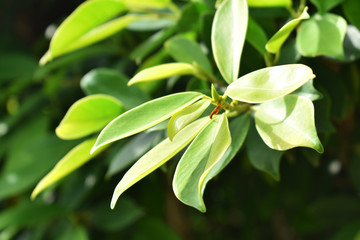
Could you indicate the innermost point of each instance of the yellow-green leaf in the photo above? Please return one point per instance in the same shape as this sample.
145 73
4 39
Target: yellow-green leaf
322 35
276 41
88 115
91 22
158 156
199 159
163 71
228 36
145 116
288 122
185 116
269 3
269 83
74 159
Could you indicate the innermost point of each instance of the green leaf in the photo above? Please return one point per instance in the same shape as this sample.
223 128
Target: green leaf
74 159
276 41
86 25
15 65
256 36
185 116
25 167
187 51
151 43
146 4
150 24
158 156
199 159
88 115
269 83
351 11
30 214
163 71
126 214
145 116
269 3
352 44
322 35
113 83
308 90
132 150
288 122
228 36
239 129
325 5
261 156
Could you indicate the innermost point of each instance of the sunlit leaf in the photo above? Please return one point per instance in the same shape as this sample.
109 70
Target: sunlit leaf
158 156
325 5
88 115
113 83
239 129
261 156
228 36
185 116
145 116
74 159
276 41
163 71
269 83
187 51
86 25
288 122
269 3
322 35
199 159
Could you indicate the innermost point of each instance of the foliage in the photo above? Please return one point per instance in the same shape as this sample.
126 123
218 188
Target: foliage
186 87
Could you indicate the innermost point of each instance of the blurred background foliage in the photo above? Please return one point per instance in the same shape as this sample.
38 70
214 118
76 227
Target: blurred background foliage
317 196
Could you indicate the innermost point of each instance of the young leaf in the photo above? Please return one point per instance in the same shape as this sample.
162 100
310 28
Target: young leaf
269 3
261 156
163 71
185 116
187 51
113 83
88 115
158 156
145 116
199 159
276 41
74 159
256 36
325 5
288 122
269 83
85 26
228 36
322 35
